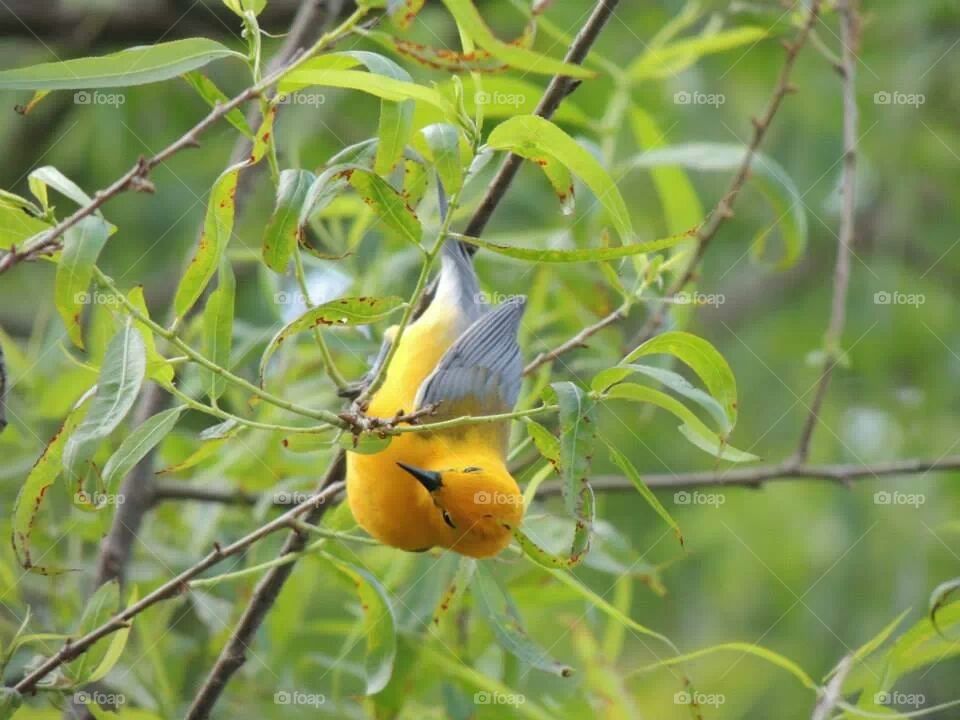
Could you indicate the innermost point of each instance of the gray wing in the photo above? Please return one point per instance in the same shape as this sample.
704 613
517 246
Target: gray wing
481 372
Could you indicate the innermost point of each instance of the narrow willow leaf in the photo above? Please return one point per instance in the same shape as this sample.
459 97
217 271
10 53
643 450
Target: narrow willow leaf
208 90
122 373
342 312
388 204
415 182
458 586
31 496
206 450
310 73
939 597
218 224
81 246
157 366
546 443
578 436
49 175
116 646
874 643
761 652
628 469
504 620
678 384
364 444
701 357
280 237
218 328
378 624
532 137
241 6
439 58
403 12
136 446
10 702
135 66
778 187
575 256
443 141
693 428
17 225
541 556
469 20
681 204
101 606
674 57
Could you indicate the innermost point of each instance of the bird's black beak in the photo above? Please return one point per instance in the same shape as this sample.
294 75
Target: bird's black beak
428 478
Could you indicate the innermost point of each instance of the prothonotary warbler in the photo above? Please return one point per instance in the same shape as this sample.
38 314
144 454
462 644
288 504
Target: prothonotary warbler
447 488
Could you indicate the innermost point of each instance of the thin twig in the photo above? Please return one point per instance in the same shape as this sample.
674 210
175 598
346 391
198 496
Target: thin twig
171 588
724 209
833 693
560 87
850 39
577 341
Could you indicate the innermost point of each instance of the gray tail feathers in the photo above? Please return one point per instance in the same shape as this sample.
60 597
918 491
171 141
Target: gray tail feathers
458 283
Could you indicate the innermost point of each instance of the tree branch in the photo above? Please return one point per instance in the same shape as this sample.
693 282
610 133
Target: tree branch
850 39
172 588
833 693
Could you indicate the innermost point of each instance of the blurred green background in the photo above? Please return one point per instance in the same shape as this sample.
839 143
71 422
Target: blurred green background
809 569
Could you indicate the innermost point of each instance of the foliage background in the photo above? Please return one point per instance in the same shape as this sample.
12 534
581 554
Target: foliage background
808 569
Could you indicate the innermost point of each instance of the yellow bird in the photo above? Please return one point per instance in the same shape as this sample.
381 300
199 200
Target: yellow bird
446 488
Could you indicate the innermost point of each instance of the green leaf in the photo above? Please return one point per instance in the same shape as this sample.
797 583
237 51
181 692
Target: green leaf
505 622
239 7
136 446
218 224
218 328
439 58
546 443
102 606
82 244
443 141
745 648
675 57
388 204
403 12
281 235
470 21
135 66
701 357
628 469
693 428
208 90
10 701
122 373
317 72
534 137
34 490
778 187
116 646
466 568
157 366
575 256
50 176
578 436
364 444
343 312
875 642
679 199
18 224
939 597
378 624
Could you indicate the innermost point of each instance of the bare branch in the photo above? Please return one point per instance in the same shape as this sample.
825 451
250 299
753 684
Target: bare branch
173 587
850 39
833 693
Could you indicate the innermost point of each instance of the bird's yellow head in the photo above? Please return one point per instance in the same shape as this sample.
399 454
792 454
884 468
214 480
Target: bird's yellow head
480 505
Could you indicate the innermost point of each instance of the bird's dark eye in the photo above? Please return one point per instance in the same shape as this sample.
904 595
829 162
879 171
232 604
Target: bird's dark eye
472 469
447 519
